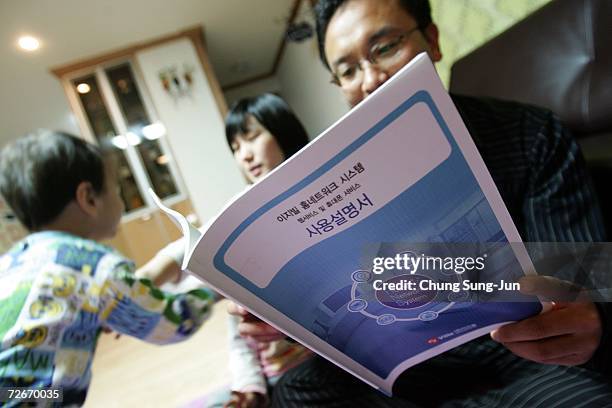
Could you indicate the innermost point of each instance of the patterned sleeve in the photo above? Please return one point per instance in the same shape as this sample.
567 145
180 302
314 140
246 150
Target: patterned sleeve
137 308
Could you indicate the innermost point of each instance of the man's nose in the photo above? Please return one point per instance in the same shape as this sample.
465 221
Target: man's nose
373 77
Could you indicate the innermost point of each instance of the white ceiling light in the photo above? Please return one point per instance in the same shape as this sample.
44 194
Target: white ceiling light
28 43
83 88
120 142
154 131
133 138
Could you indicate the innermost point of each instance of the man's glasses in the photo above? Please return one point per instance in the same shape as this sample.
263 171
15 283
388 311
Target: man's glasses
383 54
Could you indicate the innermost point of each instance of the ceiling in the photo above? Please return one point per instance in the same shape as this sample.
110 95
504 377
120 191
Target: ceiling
243 36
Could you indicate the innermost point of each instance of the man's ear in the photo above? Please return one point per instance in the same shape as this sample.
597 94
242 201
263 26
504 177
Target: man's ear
432 35
86 198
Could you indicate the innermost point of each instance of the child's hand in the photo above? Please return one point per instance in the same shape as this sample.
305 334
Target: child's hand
106 330
246 400
160 269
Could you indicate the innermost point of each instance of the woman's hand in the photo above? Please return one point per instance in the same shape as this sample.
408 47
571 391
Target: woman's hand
253 328
246 400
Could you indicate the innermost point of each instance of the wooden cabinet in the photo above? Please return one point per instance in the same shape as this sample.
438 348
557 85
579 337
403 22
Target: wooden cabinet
140 239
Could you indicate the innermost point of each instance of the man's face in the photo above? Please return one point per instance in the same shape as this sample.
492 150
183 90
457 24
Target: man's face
368 41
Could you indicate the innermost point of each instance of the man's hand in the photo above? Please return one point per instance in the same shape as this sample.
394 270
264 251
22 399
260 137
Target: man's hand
246 400
568 334
253 328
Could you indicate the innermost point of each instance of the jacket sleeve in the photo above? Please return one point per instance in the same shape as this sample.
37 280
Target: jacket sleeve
562 207
561 204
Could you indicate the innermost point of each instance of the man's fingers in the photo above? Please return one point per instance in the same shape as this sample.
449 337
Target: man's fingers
569 360
553 323
556 350
550 289
567 336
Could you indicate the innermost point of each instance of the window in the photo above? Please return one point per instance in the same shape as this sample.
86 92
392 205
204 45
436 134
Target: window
120 119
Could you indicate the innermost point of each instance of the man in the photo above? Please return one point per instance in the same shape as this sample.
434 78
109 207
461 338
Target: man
540 174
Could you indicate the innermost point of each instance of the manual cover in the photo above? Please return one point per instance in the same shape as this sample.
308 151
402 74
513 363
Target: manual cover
382 243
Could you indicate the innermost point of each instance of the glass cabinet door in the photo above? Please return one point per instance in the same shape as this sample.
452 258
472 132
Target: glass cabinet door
120 120
105 133
141 130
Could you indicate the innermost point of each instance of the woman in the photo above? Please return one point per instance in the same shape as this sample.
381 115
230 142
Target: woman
262 132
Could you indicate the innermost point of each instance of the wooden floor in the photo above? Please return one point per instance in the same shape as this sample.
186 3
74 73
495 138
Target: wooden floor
130 373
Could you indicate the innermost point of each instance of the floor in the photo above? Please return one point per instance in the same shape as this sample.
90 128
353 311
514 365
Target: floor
129 372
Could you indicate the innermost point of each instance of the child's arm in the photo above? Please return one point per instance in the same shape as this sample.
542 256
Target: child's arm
135 307
165 266
245 368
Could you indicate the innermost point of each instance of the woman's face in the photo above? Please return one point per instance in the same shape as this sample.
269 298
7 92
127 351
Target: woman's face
256 151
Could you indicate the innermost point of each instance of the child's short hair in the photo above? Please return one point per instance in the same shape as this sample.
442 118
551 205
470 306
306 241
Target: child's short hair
40 172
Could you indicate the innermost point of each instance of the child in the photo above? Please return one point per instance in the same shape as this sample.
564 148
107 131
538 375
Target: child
59 287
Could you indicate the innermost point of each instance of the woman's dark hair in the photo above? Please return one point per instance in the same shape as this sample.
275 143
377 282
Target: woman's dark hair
273 113
420 10
40 173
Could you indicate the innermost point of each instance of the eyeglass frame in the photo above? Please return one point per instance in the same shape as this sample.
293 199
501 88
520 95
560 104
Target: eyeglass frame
400 38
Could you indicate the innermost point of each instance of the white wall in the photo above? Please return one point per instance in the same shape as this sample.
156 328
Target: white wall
271 84
306 87
72 30
195 129
34 99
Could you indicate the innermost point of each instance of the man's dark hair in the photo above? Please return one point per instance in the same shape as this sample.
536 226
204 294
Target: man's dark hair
40 173
273 113
420 10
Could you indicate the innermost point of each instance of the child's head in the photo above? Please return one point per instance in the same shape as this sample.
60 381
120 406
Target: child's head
53 180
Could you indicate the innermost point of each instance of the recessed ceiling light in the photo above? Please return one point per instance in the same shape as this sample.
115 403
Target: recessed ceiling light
83 88
120 142
133 138
154 131
28 43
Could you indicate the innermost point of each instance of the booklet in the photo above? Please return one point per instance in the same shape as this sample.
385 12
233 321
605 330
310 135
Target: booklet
350 246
